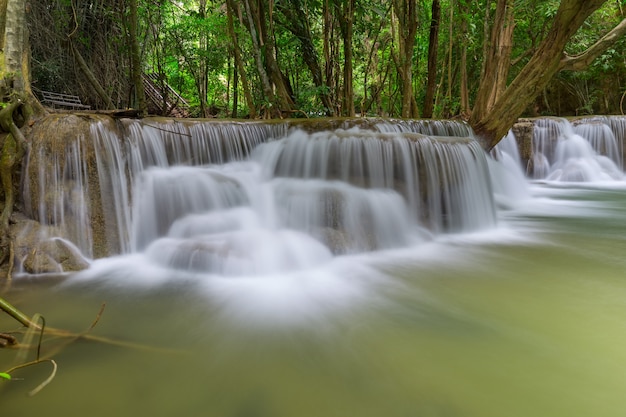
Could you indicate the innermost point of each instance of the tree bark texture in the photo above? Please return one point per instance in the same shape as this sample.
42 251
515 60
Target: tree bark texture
492 125
498 58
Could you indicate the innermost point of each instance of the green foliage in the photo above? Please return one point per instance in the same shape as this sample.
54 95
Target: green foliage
188 44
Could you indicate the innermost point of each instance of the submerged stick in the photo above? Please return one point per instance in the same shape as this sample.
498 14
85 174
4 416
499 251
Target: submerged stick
17 315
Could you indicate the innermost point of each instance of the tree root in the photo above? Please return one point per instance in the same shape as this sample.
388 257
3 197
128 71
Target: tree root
13 149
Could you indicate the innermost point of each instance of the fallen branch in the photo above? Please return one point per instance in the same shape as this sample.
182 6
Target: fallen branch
8 373
27 322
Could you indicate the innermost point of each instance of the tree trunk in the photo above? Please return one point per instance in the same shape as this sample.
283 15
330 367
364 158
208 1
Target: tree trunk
331 54
345 14
135 59
240 68
274 86
256 50
406 12
492 125
498 58
465 103
14 86
91 77
433 45
282 89
296 22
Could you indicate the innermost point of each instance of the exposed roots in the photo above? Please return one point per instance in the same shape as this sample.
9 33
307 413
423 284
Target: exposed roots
12 151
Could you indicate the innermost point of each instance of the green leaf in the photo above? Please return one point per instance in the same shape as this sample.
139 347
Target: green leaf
5 375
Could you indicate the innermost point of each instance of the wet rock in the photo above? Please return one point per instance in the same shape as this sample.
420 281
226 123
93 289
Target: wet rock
523 131
336 240
54 255
38 253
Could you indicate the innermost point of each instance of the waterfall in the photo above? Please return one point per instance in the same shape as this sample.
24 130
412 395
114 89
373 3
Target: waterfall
235 197
79 175
442 179
586 151
509 183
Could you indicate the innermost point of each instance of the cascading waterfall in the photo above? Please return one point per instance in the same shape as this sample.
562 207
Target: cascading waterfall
212 195
305 196
442 179
507 177
588 151
602 140
58 196
80 171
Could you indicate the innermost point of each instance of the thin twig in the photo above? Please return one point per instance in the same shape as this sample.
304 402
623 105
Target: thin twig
47 381
31 363
43 326
97 319
75 21
167 131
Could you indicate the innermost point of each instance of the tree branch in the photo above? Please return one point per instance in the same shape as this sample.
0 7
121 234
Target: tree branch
581 61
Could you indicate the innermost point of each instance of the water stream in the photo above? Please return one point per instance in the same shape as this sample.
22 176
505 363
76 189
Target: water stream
355 272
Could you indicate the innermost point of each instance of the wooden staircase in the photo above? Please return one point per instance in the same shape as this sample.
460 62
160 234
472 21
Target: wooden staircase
163 99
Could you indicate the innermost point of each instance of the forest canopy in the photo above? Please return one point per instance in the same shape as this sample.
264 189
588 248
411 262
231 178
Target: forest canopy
295 58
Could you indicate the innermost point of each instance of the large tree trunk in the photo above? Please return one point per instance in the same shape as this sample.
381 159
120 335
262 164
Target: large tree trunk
15 54
14 87
498 58
492 124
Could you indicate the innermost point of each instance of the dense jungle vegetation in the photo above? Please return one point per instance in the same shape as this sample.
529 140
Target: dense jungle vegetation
252 58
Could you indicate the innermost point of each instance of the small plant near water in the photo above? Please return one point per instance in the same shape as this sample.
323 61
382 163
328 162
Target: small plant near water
38 360
35 326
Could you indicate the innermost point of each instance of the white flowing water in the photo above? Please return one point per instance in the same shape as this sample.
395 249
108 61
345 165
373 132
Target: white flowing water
292 212
288 287
586 152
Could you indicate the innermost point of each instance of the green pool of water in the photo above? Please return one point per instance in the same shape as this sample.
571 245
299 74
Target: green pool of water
533 325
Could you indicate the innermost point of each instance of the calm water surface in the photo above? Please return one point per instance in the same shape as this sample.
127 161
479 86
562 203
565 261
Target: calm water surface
525 320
